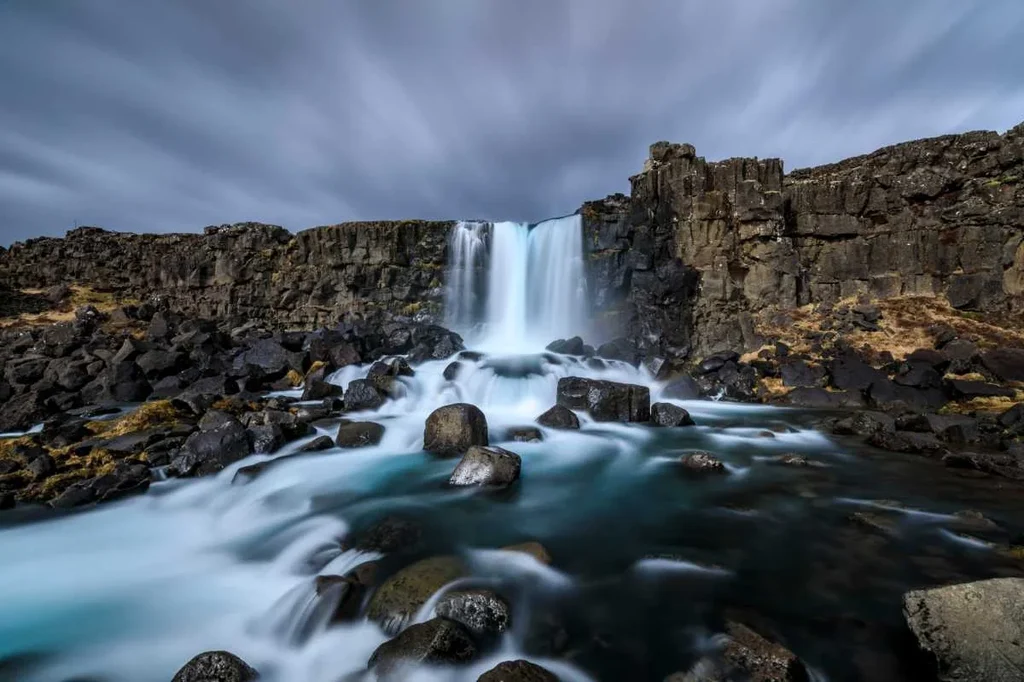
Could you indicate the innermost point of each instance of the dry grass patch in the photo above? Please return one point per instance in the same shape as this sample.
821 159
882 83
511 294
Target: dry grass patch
151 415
80 296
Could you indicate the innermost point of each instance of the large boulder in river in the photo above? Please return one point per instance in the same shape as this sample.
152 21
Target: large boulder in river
487 466
216 666
482 612
667 414
438 641
605 401
451 430
361 395
401 596
559 417
359 434
973 631
209 450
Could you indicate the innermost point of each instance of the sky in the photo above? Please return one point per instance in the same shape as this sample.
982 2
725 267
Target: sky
156 116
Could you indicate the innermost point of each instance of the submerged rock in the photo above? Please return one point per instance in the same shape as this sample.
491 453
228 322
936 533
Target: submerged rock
702 463
524 434
436 641
359 434
216 666
390 534
451 430
482 612
487 466
760 660
517 671
573 346
605 400
973 632
667 414
397 600
559 417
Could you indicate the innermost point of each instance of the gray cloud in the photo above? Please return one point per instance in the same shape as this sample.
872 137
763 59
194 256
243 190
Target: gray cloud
156 116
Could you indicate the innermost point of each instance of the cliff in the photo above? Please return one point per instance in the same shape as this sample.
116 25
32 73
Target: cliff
687 264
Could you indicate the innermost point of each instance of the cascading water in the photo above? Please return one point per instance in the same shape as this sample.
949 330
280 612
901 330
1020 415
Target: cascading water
642 556
535 284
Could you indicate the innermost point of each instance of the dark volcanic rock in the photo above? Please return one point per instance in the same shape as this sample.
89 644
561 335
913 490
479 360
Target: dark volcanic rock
359 434
702 463
966 390
573 346
482 612
216 666
667 414
451 430
390 534
798 373
559 417
207 452
822 399
1007 364
524 434
605 400
683 388
850 373
487 466
761 660
362 395
437 641
266 438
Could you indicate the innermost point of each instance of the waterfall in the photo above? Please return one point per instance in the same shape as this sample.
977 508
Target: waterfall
533 290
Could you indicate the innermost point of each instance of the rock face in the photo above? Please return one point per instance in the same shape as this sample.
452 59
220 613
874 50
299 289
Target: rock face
974 631
216 666
606 401
451 430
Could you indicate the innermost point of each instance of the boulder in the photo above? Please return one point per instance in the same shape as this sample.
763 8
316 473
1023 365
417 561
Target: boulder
559 417
683 388
1006 364
362 395
819 398
399 598
390 534
451 372
157 363
966 390
667 414
359 434
216 666
517 671
316 388
318 444
850 373
451 430
798 373
384 375
907 442
209 451
717 361
482 612
573 346
918 374
605 400
759 660
349 591
487 466
702 463
973 632
622 349
864 423
731 381
438 641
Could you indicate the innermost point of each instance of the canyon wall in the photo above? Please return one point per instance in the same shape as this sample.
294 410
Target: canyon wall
686 264
698 250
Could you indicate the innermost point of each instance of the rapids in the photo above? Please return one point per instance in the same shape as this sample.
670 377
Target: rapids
647 563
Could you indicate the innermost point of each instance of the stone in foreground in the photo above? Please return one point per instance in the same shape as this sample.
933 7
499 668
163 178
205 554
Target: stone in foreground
359 434
482 612
605 401
973 631
667 414
216 666
436 641
487 466
759 659
517 671
451 430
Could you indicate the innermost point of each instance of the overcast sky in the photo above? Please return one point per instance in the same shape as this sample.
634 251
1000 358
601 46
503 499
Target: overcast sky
157 115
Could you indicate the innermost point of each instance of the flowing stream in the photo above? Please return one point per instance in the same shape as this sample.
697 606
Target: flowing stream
647 563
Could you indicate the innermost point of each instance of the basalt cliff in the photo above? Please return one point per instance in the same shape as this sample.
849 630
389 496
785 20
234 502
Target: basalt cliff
701 256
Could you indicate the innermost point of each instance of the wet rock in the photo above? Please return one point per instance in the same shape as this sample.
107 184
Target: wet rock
667 414
517 671
209 451
533 549
798 373
731 381
953 428
759 659
315 388
399 598
819 398
362 395
438 641
76 495
21 412
482 612
1004 464
451 430
973 632
559 417
487 466
319 444
622 348
524 434
349 590
359 434
573 346
717 361
216 666
451 372
793 460
864 424
683 388
384 376
907 442
605 400
390 534
702 463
